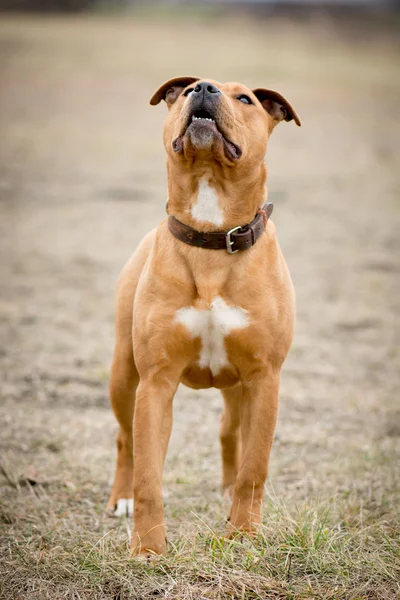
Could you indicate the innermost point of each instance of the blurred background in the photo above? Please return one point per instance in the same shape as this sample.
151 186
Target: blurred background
82 178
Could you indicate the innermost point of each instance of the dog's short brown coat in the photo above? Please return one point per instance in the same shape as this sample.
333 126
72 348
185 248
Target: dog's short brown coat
154 351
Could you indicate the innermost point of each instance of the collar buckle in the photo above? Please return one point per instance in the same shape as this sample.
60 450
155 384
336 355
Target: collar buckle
228 240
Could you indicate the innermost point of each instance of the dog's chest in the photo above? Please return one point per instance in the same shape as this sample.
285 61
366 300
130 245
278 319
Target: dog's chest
213 325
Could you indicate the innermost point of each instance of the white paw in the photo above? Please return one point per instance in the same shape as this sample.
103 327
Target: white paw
124 508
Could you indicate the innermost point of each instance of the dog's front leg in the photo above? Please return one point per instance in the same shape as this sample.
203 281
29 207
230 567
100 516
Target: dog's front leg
259 409
152 428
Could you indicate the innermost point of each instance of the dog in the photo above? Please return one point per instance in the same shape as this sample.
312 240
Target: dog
205 300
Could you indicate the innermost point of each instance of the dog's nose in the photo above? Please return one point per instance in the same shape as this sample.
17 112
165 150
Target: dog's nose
205 89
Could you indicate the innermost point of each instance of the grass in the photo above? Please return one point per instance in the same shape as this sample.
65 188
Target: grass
336 549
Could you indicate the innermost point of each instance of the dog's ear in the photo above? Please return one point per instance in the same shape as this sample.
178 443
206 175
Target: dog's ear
276 106
171 89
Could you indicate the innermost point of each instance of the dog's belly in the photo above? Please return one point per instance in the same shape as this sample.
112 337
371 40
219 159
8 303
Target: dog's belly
212 325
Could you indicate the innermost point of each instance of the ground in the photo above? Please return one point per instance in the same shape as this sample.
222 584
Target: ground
82 178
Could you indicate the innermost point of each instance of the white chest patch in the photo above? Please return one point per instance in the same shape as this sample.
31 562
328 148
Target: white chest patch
206 207
212 326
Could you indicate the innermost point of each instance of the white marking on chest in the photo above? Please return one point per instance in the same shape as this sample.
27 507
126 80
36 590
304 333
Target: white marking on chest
206 207
212 326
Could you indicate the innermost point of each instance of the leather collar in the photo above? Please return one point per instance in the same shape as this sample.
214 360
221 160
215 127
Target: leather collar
234 240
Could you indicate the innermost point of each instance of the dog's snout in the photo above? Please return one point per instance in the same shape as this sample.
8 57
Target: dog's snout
205 88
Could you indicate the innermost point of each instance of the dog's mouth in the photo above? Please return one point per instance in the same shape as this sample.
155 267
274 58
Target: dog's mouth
201 114
203 122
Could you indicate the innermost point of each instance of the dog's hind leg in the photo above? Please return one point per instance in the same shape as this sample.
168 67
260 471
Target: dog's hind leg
258 413
125 379
229 434
123 384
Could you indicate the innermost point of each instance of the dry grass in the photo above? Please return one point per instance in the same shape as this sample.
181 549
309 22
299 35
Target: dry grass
341 548
82 176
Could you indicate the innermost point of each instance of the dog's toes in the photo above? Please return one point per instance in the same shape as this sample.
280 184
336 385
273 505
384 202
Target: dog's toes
123 508
146 557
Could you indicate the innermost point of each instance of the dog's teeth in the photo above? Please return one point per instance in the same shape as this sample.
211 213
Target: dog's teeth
194 118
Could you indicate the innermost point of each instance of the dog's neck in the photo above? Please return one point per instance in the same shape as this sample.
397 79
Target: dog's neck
215 199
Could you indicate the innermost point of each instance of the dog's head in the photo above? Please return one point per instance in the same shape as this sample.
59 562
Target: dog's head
223 122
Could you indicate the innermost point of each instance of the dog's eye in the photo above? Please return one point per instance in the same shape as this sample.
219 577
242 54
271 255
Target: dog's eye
243 98
189 91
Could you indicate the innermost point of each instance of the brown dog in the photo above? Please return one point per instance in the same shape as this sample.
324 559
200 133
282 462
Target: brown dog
205 300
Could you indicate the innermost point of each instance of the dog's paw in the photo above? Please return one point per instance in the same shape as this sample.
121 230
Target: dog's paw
149 547
145 557
123 508
240 533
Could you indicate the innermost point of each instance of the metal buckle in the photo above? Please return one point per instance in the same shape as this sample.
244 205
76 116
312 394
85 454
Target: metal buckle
228 240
